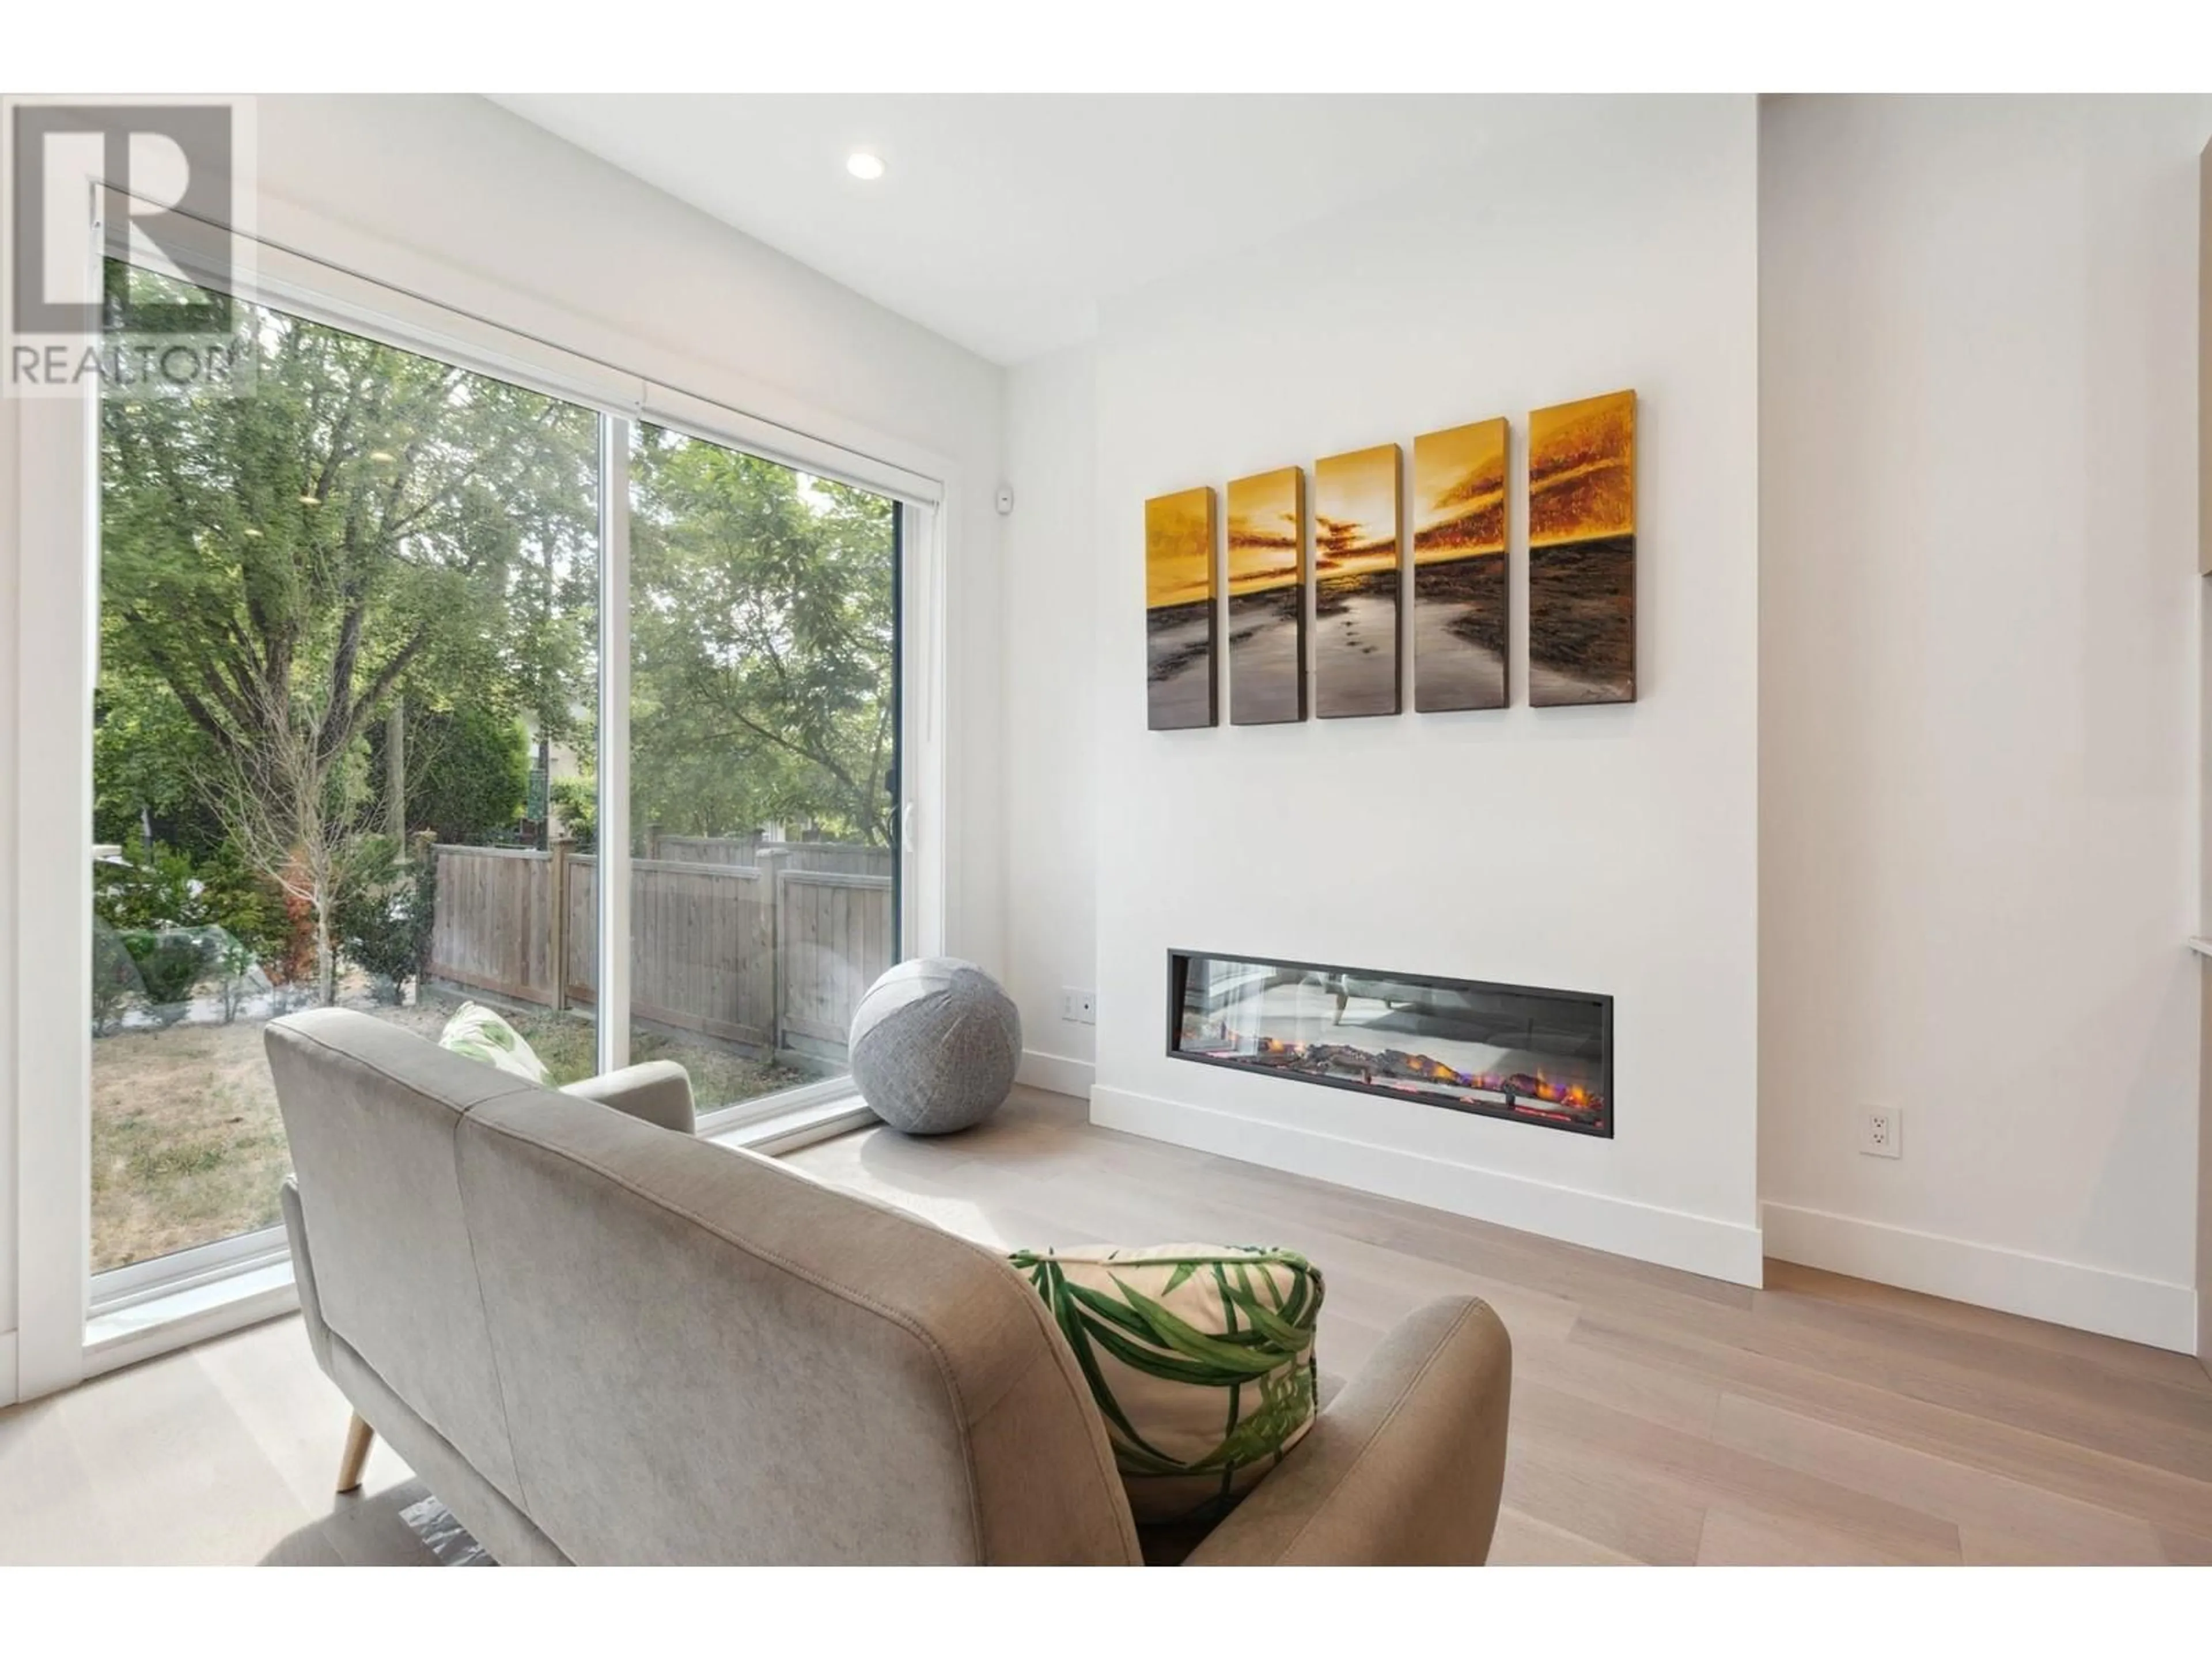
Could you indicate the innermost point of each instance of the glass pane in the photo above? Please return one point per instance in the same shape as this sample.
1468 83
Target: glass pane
345 721
763 744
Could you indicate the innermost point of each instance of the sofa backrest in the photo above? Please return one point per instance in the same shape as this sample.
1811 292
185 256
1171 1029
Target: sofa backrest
663 1350
372 1112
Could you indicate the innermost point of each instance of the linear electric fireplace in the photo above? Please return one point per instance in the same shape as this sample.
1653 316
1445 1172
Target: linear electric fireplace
1512 1051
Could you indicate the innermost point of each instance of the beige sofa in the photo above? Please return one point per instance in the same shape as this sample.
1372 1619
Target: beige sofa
598 1338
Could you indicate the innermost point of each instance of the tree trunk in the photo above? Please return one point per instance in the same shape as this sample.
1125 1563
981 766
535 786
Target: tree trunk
545 806
327 964
395 776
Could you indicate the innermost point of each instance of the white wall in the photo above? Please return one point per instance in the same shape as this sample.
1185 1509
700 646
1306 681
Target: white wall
1607 850
1051 786
1979 649
474 208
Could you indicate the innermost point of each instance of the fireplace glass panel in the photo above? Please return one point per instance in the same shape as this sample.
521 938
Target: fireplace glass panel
1536 1056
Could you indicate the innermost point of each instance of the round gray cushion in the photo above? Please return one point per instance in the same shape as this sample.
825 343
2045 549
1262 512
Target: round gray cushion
934 1044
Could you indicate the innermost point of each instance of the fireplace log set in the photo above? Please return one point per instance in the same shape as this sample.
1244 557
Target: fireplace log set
1216 1003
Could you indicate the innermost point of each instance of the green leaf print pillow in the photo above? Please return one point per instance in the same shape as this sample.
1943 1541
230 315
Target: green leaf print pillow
476 1032
1201 1358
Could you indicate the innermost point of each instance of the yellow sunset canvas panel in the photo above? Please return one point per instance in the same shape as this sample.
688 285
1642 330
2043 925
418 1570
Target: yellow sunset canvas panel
1179 615
1357 617
1179 547
1356 512
1267 598
1582 551
1582 470
1459 491
1266 532
1459 594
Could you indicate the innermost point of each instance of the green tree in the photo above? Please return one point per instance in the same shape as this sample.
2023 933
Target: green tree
285 562
147 757
467 768
762 645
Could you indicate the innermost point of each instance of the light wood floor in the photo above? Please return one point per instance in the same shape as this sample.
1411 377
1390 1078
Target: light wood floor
1658 1417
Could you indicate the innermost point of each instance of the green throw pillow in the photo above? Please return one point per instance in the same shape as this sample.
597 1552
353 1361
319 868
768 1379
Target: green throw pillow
1201 1358
478 1033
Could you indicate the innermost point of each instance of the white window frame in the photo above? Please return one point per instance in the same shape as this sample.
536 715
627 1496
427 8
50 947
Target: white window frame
63 1333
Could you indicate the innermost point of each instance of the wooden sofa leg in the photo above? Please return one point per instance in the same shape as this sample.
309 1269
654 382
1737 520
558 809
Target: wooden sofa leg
359 1438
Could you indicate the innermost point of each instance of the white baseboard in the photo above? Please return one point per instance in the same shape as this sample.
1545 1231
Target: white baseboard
1673 1238
2147 1310
1056 1073
8 1384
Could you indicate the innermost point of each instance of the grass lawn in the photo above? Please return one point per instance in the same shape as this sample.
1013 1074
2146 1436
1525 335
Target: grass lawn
187 1146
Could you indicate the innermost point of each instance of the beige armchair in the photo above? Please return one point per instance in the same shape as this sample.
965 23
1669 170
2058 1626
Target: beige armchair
657 1092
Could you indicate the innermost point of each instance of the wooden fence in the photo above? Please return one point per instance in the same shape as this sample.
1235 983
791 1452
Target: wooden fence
769 957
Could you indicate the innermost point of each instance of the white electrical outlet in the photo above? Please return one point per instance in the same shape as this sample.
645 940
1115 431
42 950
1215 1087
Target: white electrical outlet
1080 1007
1882 1132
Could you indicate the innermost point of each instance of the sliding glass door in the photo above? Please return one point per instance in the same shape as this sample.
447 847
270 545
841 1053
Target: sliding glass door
764 743
351 747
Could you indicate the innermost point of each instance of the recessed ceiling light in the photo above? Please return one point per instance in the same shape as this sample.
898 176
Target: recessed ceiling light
865 164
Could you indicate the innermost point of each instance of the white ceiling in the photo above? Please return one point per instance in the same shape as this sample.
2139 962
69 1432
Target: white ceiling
1002 222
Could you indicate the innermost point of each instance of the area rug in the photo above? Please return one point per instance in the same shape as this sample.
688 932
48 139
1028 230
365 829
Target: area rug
444 1537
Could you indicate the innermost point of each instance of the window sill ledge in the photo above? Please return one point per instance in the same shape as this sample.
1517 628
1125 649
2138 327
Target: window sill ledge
214 1307
802 1126
259 1289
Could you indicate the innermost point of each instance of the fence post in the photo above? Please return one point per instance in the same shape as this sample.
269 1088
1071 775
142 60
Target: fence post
556 947
768 861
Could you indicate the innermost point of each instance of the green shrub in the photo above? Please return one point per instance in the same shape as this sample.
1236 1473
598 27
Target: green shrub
382 921
577 801
468 770
170 963
158 889
234 962
244 904
114 977
161 888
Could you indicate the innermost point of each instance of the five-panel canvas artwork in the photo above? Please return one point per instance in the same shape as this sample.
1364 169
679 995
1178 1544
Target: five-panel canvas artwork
1582 577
